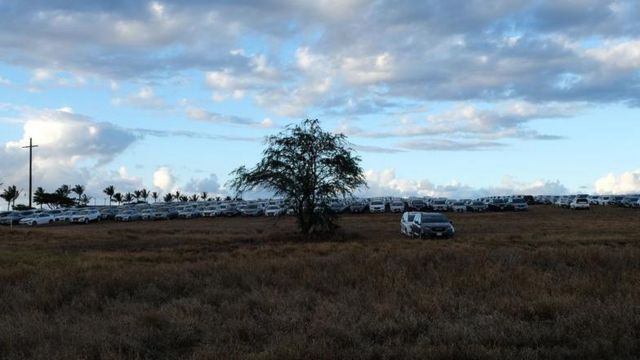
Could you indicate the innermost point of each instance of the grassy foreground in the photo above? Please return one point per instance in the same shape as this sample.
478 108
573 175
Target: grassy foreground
550 283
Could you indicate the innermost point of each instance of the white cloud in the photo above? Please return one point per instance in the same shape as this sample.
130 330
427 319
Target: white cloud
209 184
267 123
163 179
386 183
65 138
72 149
4 81
41 75
201 114
625 183
144 98
621 54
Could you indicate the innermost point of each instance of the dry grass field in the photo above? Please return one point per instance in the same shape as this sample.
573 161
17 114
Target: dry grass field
549 283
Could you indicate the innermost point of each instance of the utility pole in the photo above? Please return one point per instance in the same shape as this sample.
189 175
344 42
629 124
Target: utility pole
31 146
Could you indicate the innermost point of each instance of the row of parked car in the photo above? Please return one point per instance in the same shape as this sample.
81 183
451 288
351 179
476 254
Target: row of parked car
278 207
585 201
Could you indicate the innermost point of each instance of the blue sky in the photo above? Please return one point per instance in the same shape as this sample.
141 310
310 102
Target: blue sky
440 98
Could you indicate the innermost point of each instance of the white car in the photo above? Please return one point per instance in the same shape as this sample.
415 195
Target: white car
147 214
396 206
459 206
376 207
518 204
580 204
273 210
85 216
209 211
439 205
405 222
37 219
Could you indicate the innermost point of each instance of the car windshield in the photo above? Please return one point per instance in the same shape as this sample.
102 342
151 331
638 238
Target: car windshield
498 201
273 207
518 201
478 203
376 203
439 202
411 217
434 219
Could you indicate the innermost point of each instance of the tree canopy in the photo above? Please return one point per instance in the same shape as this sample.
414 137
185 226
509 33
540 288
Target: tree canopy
308 167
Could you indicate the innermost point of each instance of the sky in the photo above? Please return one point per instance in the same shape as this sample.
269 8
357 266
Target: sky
456 98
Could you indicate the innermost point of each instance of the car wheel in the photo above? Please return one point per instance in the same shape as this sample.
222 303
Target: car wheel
50 221
33 223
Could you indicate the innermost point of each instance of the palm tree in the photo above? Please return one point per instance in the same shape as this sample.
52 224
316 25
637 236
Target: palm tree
137 194
85 199
39 196
194 197
177 195
184 198
128 197
154 196
109 191
63 191
204 195
168 197
78 189
144 194
118 197
10 195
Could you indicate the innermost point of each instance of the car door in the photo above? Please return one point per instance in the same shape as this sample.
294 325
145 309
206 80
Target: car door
416 228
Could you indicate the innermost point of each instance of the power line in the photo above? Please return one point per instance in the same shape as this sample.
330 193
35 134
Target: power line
31 146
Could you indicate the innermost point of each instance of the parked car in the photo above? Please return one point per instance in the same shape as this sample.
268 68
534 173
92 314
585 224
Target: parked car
497 205
459 206
439 205
376 207
417 205
209 211
85 216
518 204
273 210
630 201
358 206
147 214
64 215
431 225
396 206
405 222
477 206
108 213
14 217
128 215
226 210
252 210
37 219
188 213
580 204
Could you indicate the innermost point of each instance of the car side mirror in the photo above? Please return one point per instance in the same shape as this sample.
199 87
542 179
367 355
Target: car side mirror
451 222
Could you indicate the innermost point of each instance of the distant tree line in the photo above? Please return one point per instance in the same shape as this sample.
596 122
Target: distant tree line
67 196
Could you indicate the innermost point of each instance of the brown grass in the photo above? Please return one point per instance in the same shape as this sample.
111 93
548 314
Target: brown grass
550 283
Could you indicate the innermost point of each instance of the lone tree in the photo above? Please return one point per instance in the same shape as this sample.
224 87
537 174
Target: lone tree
308 167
